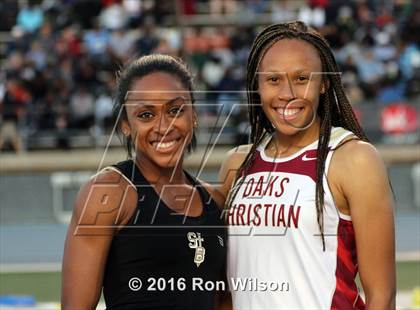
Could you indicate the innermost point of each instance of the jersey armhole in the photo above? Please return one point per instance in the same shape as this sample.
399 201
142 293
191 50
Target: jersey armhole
117 171
130 183
341 140
344 141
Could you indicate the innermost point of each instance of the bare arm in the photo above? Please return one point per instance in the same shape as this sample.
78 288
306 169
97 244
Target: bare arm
227 173
101 205
224 301
365 186
230 166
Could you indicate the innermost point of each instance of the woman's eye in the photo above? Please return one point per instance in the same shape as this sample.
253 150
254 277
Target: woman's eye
176 110
273 79
145 115
302 78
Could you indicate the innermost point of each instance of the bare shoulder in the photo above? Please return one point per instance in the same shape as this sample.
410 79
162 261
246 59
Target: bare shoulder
234 159
215 193
357 152
358 162
240 150
107 198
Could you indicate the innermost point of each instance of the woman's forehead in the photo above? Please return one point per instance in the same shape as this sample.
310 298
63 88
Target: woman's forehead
157 86
158 81
291 55
156 104
158 95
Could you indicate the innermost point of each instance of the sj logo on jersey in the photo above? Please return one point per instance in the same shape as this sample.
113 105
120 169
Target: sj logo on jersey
196 242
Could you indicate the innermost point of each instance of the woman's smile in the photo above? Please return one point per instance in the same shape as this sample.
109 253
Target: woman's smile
167 145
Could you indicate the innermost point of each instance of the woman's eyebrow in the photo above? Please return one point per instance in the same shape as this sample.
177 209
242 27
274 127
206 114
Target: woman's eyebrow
152 105
296 71
175 100
141 105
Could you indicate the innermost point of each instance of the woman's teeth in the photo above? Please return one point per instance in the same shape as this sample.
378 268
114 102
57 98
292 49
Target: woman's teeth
288 112
165 145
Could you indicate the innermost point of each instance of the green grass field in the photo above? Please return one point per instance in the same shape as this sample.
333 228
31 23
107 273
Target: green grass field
45 286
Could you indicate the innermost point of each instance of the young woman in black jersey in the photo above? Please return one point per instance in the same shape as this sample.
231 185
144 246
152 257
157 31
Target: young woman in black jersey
145 230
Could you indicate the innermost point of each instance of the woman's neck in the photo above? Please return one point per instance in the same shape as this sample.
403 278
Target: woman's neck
285 145
158 175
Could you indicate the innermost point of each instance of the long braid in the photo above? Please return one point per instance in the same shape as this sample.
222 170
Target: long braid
334 108
340 107
322 152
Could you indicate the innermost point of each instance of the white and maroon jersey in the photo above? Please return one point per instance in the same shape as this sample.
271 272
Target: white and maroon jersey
276 258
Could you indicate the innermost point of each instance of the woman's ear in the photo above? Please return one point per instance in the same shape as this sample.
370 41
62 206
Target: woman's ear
125 128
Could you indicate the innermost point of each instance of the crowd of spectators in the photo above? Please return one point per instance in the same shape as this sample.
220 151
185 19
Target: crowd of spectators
62 56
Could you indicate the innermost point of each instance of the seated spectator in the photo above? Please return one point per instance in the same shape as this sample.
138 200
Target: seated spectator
218 7
96 42
120 45
30 18
134 12
229 88
46 36
353 91
257 6
391 91
148 40
103 111
12 108
219 40
72 41
197 44
47 112
281 11
371 71
409 60
113 17
213 72
314 16
82 109
165 48
84 73
8 12
37 55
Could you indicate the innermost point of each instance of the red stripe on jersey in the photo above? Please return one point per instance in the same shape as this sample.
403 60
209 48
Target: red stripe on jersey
304 164
345 261
346 295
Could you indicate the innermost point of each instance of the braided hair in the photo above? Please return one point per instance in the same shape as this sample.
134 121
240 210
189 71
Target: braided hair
334 108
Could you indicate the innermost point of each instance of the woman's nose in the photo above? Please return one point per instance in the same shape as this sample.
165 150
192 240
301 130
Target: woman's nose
286 91
163 124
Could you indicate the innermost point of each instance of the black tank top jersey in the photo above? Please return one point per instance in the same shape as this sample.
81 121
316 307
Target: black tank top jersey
158 243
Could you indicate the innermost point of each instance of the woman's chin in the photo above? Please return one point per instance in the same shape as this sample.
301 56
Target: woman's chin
167 162
287 130
293 128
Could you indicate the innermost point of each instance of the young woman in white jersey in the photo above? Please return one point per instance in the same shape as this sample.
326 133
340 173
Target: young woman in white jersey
309 202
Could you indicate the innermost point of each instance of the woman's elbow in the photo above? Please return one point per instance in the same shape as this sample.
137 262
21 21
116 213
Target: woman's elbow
74 304
381 300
